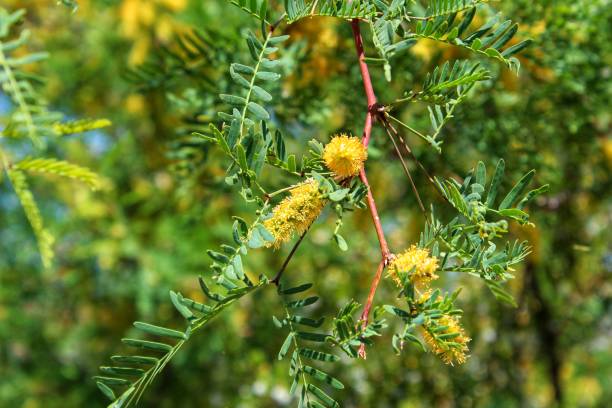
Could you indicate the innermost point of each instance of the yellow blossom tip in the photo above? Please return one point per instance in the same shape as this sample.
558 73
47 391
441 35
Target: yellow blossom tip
416 265
296 212
456 348
344 155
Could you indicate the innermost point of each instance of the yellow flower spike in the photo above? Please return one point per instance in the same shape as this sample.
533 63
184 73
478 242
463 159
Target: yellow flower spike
417 264
453 350
295 213
345 155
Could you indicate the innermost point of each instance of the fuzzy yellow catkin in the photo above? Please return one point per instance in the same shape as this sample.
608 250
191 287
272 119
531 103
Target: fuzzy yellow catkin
416 264
295 213
344 155
453 350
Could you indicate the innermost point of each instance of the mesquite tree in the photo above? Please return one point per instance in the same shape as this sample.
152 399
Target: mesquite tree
332 175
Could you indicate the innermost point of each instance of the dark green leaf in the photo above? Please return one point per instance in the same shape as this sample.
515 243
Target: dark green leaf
233 100
322 376
318 355
339 195
295 304
327 401
122 371
142 360
316 337
517 190
106 390
307 321
160 331
285 347
112 380
495 182
296 289
258 110
148 345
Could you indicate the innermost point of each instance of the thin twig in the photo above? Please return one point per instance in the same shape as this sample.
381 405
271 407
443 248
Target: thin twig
388 124
413 130
384 247
406 170
368 305
279 274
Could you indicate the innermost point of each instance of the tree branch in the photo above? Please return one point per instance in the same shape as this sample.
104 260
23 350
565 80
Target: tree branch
373 110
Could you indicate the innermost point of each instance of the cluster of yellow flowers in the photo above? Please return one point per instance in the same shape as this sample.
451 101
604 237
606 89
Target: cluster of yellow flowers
295 213
455 349
345 156
416 264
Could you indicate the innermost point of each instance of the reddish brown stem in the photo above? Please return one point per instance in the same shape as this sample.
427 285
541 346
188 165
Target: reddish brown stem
367 82
367 132
384 247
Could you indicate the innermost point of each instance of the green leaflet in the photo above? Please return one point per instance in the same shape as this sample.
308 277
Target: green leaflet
160 331
441 24
517 190
322 376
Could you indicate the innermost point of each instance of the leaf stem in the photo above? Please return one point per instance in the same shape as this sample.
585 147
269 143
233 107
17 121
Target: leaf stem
252 83
413 130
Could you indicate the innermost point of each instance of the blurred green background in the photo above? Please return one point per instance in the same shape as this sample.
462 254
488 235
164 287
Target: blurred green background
120 250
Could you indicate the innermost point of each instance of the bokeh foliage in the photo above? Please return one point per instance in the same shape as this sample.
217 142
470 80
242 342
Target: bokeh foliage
119 251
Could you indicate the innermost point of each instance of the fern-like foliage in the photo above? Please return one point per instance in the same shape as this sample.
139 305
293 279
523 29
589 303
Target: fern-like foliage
424 313
250 140
347 335
447 86
301 370
256 8
244 142
125 382
469 197
490 39
439 114
134 373
31 119
441 85
61 168
466 244
79 126
468 240
437 8
249 78
383 31
298 9
44 238
444 89
188 60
